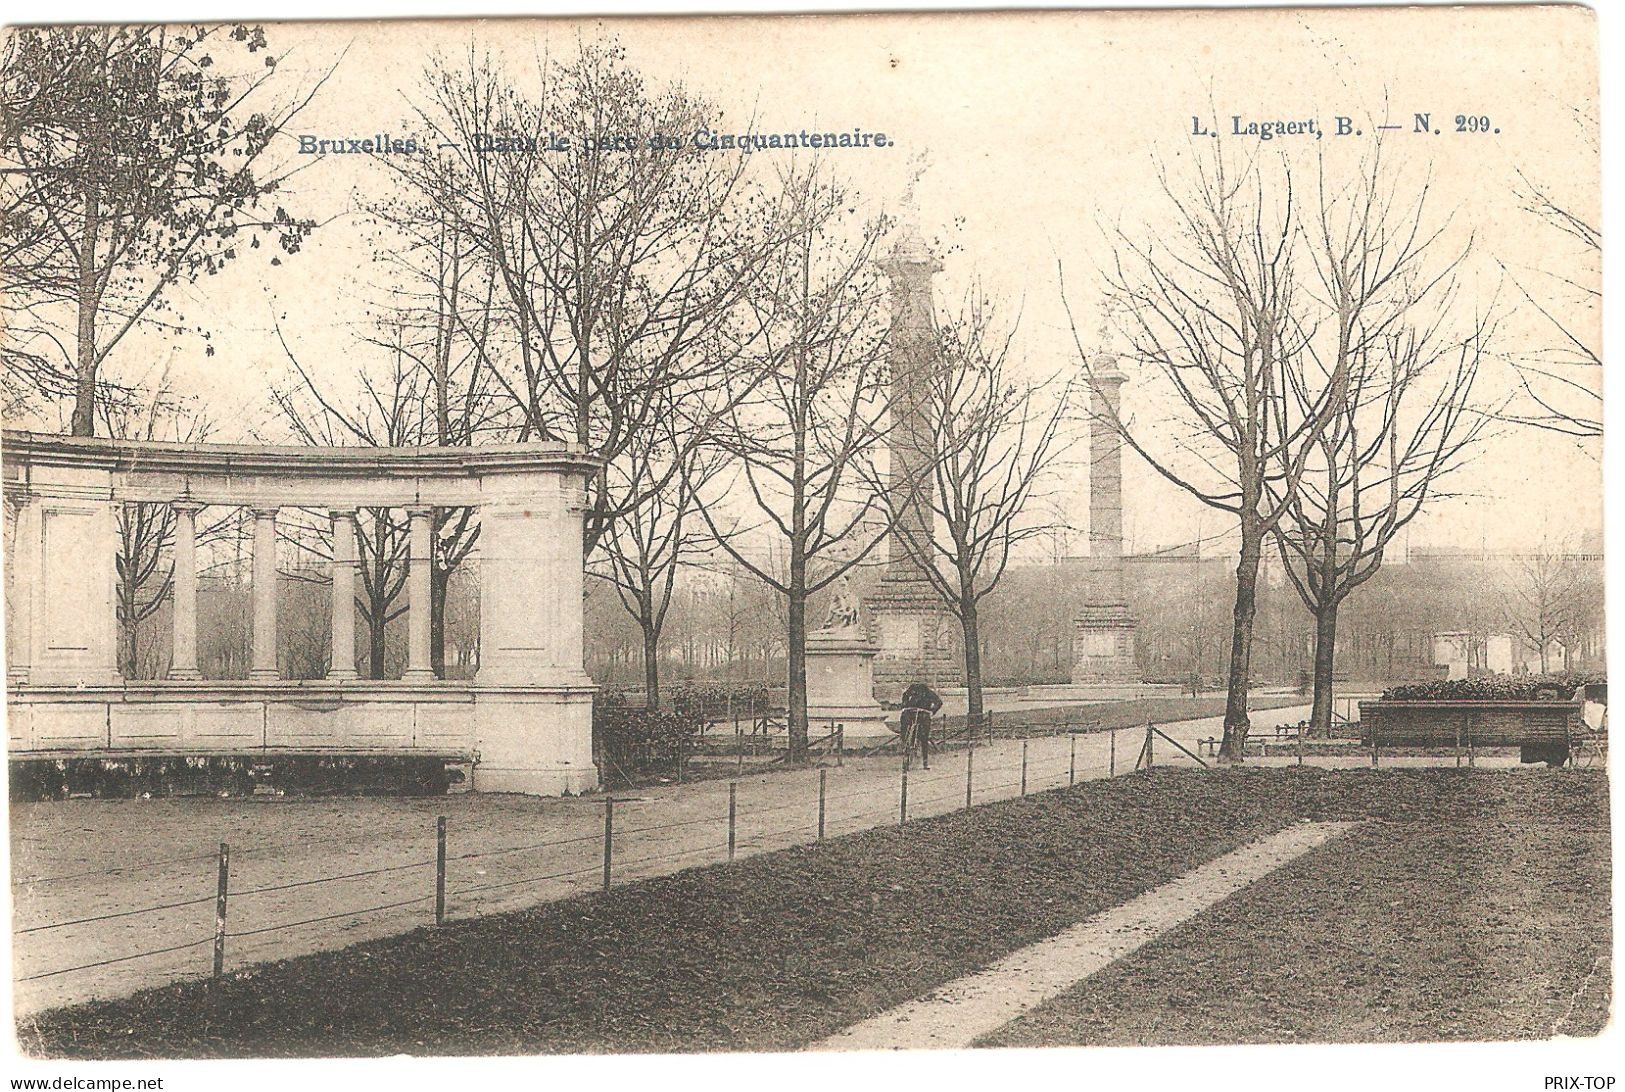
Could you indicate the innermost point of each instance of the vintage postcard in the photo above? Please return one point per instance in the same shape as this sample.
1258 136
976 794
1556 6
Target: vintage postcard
852 532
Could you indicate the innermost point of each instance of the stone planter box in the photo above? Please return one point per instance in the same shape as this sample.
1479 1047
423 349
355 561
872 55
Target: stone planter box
1542 730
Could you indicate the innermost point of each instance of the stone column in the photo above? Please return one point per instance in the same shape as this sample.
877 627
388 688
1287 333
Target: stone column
420 591
183 661
264 662
342 665
22 558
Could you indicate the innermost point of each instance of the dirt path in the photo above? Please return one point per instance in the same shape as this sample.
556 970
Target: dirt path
955 1016
504 852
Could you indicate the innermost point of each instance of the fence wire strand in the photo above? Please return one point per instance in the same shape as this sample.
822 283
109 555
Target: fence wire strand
988 791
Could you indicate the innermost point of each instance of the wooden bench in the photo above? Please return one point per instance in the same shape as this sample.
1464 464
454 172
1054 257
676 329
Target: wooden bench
1543 731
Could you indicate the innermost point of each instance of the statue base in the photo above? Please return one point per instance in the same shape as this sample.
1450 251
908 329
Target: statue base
840 689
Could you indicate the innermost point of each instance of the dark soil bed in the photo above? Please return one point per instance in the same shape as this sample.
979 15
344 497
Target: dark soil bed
1489 923
781 950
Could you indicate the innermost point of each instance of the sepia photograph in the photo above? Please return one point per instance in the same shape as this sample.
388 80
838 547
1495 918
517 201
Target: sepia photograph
844 532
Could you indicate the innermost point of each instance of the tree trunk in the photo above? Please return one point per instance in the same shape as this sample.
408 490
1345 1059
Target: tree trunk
651 663
1236 722
968 623
796 712
84 393
128 639
1320 716
375 642
439 581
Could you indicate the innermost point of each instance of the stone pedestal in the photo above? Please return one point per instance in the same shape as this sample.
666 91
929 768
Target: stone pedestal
913 636
840 688
1103 646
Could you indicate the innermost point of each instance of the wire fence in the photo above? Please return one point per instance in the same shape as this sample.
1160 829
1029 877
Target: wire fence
447 883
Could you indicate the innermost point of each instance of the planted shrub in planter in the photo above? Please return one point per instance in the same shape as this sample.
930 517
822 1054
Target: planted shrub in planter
1558 686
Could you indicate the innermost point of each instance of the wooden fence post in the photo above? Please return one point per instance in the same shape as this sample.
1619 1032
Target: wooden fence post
1023 767
440 871
970 764
822 778
1458 744
902 809
733 812
1302 728
1150 749
1111 767
222 883
1072 763
609 837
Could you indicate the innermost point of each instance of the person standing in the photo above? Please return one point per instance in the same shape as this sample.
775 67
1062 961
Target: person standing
919 703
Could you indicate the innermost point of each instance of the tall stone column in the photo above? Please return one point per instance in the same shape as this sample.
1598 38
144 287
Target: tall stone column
183 627
1106 479
1103 632
264 659
420 591
913 628
342 665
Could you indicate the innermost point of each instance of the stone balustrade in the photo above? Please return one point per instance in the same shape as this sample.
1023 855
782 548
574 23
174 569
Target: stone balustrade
525 719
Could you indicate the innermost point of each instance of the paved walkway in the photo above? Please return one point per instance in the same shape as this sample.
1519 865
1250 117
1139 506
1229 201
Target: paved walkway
954 1016
320 873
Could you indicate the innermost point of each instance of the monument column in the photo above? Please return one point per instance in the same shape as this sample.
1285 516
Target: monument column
342 664
183 627
913 628
264 660
1103 632
420 591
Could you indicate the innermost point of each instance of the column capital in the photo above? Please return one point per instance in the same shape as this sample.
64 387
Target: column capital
186 504
265 511
422 511
343 511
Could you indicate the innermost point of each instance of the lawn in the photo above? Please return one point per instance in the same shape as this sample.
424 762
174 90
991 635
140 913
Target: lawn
780 950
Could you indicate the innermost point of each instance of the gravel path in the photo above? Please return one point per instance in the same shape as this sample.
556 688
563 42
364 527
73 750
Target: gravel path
956 1015
504 852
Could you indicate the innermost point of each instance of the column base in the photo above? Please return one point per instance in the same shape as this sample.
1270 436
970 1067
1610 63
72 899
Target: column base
265 674
556 782
184 674
419 674
343 676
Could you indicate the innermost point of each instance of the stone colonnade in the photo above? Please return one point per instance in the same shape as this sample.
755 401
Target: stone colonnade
526 717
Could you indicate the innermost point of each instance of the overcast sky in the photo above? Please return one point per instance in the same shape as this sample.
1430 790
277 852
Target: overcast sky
1034 129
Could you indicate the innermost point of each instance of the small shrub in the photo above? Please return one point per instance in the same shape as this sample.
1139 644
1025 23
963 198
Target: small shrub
634 743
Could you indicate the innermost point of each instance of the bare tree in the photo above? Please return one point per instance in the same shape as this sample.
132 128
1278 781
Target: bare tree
1214 323
616 262
1562 383
645 548
390 410
1402 417
133 160
996 446
440 315
144 563
1545 599
808 421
